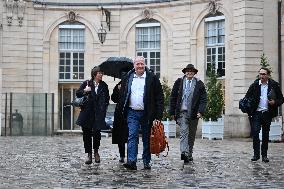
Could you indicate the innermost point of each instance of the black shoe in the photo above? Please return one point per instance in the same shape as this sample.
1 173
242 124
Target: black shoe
147 166
265 159
130 166
255 158
186 160
182 156
89 159
121 160
97 157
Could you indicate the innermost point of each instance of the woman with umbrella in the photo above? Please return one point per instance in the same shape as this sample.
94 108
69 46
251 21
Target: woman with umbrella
120 129
93 112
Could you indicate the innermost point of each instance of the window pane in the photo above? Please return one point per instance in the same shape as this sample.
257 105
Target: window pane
75 69
81 75
61 76
61 68
67 69
81 55
152 62
67 75
75 76
158 61
213 51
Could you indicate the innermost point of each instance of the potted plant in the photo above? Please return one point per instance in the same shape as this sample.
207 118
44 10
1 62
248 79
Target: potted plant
213 122
169 126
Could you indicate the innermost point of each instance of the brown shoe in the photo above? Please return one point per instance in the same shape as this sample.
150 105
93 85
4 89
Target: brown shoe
89 159
97 157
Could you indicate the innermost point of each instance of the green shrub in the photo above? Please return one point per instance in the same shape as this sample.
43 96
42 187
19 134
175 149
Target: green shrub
167 95
215 99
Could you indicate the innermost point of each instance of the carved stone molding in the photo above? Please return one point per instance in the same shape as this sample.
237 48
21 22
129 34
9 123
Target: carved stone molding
147 14
21 5
15 7
71 16
9 11
213 7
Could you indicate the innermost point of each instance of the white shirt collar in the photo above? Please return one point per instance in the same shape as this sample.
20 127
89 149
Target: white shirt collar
142 76
259 82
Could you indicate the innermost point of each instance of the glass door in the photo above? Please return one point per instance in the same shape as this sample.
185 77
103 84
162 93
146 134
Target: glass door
68 113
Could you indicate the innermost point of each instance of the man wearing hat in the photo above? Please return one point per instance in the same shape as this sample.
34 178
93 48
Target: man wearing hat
187 104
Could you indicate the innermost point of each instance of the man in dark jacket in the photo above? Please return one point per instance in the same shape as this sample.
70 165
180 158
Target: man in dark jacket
266 98
187 104
141 102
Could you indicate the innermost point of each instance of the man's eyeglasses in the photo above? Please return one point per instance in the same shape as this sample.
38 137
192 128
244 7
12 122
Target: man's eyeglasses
262 74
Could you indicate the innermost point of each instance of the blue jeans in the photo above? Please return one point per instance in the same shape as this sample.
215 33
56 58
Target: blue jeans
135 119
261 120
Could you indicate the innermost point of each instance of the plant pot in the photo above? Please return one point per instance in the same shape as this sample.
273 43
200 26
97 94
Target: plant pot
170 128
213 129
275 133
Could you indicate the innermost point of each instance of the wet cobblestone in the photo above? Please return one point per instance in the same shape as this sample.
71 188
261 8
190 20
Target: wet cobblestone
58 162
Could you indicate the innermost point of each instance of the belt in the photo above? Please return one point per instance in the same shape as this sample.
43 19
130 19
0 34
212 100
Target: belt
262 111
137 110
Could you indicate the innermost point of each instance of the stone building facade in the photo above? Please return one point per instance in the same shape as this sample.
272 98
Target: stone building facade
50 46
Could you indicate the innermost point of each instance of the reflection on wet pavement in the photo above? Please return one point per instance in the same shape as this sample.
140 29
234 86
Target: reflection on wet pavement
58 162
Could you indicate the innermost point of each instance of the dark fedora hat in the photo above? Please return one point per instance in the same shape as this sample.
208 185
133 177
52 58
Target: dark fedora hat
189 67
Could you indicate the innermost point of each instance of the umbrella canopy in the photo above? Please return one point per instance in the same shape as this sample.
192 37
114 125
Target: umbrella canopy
114 66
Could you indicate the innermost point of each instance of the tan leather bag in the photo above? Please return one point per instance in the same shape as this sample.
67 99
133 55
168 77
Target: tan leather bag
158 140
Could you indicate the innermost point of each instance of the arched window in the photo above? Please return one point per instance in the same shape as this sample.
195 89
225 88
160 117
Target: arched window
215 43
148 43
71 51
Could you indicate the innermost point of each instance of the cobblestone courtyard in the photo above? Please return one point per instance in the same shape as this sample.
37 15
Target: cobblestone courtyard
58 162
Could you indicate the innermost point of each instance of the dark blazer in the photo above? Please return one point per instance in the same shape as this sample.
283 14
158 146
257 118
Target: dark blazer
120 129
254 93
199 99
93 113
153 96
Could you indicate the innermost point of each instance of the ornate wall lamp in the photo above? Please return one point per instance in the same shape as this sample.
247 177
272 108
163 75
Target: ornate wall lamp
107 13
102 32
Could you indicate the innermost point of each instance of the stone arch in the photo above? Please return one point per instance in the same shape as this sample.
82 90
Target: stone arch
136 19
79 19
203 14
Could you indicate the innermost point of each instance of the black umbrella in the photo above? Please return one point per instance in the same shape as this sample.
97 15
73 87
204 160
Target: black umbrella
114 66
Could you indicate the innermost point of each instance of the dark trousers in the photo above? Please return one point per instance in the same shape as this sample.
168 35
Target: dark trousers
121 148
261 120
88 135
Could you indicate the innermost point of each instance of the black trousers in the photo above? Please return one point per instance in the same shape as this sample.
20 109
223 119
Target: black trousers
261 120
121 148
91 137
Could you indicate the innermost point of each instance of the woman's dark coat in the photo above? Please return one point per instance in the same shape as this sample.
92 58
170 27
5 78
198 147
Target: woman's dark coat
93 113
199 99
254 93
120 129
153 96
